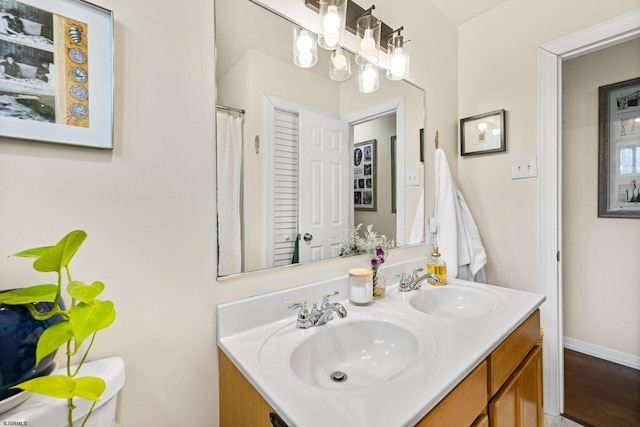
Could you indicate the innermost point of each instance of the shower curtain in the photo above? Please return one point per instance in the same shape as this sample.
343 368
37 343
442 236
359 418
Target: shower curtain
229 167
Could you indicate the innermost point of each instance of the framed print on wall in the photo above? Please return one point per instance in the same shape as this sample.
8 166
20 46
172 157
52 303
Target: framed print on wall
364 176
56 72
619 150
484 133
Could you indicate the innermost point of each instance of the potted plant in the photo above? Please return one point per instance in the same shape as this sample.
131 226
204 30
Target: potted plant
84 317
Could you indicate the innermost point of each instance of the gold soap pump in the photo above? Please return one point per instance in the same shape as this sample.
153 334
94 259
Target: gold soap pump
437 266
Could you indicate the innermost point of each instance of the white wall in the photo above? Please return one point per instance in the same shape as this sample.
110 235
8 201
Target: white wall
498 68
601 268
149 205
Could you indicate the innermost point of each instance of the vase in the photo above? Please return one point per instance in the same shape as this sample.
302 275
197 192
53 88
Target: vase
19 334
379 284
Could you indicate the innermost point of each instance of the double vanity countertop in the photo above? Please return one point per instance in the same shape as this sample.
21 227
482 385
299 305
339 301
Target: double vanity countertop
401 357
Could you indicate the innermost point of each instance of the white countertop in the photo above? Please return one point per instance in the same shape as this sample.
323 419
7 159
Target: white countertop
449 349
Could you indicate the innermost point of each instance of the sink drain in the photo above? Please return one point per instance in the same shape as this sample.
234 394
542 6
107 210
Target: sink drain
338 376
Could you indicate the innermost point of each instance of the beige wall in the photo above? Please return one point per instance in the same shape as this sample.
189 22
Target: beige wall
601 265
149 205
498 68
380 129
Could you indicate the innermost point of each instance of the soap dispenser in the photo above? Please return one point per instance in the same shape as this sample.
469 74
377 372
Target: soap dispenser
437 266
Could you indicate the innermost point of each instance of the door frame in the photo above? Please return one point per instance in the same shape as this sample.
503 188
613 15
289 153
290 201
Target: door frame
550 58
397 106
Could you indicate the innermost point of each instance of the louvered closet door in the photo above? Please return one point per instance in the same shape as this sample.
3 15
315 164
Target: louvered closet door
325 188
285 191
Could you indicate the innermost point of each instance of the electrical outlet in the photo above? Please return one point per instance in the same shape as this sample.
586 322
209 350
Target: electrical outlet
526 167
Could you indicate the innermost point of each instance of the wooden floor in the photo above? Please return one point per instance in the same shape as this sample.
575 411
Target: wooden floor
600 393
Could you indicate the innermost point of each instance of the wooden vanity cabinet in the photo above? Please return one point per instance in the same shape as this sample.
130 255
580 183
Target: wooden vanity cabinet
515 378
240 403
504 390
519 402
463 405
512 380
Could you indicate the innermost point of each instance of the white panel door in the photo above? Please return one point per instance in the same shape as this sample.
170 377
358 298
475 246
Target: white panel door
324 185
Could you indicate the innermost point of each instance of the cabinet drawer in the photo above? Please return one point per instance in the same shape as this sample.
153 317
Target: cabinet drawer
463 404
506 358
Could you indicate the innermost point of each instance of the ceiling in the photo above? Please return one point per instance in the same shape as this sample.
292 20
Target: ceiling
461 11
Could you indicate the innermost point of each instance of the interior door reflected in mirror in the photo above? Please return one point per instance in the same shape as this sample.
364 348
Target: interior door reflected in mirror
285 199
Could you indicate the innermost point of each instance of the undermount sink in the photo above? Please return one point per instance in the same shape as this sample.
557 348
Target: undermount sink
344 353
457 301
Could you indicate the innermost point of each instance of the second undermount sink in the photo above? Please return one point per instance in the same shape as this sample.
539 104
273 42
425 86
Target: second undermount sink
354 354
457 301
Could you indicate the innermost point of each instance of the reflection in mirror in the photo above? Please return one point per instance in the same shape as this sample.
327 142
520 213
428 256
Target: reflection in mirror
280 199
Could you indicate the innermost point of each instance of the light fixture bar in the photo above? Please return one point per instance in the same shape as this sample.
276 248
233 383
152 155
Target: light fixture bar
355 11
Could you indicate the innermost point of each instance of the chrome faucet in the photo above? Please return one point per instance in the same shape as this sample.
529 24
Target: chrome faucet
318 316
413 282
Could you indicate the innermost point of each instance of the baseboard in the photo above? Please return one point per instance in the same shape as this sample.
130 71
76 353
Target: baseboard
602 353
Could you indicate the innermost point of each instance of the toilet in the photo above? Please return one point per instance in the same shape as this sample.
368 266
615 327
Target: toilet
44 411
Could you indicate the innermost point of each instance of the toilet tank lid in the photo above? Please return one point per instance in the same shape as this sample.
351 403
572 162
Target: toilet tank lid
42 410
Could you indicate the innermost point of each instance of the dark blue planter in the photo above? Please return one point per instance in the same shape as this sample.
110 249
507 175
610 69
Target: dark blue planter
19 334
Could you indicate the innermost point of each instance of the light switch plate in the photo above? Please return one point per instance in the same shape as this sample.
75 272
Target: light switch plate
413 177
525 167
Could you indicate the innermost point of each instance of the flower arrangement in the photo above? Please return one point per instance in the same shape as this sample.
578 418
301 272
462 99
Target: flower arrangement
375 246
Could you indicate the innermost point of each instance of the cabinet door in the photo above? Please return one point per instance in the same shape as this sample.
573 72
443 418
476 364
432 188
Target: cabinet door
519 402
240 404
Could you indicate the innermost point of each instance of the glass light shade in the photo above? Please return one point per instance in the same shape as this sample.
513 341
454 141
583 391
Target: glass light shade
305 51
368 80
368 44
398 50
340 68
332 22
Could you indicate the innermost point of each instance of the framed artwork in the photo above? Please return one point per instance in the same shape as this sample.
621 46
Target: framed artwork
484 133
393 174
619 150
56 72
364 176
422 145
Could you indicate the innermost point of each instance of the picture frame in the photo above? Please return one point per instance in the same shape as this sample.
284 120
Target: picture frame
364 176
59 85
619 149
393 173
483 133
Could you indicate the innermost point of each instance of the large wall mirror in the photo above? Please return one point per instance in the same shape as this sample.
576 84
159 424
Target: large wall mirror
280 202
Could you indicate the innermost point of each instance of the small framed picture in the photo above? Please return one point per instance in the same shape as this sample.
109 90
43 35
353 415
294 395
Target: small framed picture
484 133
364 176
56 72
619 150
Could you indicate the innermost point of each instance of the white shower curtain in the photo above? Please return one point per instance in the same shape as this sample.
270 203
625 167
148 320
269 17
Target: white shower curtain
229 167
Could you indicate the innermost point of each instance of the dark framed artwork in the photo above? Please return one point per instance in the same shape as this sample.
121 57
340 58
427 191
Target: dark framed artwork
393 174
56 72
364 176
484 133
422 145
619 150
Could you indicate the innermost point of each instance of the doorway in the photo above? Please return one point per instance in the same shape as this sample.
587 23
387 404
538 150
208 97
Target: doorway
550 58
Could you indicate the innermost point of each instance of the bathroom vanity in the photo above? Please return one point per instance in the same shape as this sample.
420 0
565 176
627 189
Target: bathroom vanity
465 354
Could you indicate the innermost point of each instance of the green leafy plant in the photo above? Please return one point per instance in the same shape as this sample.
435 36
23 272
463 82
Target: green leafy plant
80 322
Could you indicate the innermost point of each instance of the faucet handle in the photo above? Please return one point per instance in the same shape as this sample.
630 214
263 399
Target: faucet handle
325 299
304 320
405 282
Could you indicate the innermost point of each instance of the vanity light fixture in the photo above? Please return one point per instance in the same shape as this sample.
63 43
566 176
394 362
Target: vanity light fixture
368 80
398 51
305 51
336 16
332 23
368 34
340 67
